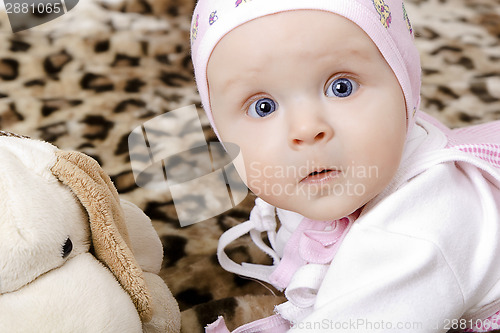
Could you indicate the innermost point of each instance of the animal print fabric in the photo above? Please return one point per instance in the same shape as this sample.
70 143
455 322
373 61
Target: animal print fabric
85 80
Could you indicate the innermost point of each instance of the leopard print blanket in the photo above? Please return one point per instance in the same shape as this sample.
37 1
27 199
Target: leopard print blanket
85 80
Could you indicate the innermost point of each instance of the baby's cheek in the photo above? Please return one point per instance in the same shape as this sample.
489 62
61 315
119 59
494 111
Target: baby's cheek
381 170
267 181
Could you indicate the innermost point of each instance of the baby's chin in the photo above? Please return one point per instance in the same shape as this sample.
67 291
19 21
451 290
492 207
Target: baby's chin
319 210
331 215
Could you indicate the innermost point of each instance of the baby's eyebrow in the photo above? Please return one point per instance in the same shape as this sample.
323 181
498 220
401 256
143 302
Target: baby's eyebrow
232 82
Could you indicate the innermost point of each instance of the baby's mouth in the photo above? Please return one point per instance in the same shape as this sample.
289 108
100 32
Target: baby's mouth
320 176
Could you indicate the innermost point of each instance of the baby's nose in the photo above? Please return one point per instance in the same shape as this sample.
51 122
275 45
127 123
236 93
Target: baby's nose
308 129
308 138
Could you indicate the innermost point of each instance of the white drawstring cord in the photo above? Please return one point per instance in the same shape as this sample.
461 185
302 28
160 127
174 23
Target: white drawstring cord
262 219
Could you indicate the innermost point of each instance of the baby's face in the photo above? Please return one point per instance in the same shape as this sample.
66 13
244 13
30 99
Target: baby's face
317 112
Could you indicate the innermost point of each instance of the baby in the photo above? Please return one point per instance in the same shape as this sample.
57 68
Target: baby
389 220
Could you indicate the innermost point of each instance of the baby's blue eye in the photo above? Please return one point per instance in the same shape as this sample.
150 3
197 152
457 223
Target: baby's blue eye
262 108
341 88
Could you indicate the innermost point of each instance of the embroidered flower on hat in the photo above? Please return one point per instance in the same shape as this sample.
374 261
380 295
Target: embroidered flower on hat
239 2
384 12
407 20
213 17
194 29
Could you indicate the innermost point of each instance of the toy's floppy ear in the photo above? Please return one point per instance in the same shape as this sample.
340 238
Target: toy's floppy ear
96 192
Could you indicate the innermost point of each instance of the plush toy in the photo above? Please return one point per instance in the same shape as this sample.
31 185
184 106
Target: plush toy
73 256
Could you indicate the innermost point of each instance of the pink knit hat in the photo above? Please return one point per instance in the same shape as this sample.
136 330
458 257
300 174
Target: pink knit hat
384 21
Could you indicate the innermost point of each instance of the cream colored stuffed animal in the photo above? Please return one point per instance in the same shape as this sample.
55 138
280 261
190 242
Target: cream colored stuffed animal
73 256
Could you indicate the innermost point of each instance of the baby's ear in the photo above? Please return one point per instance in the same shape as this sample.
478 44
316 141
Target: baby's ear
110 240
